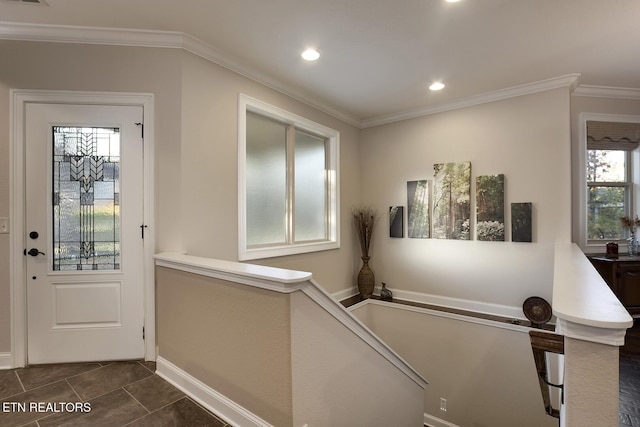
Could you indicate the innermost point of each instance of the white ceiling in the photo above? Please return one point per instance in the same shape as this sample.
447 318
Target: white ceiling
379 56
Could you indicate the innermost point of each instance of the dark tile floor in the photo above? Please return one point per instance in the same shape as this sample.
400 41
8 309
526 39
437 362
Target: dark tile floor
629 413
629 390
130 394
96 394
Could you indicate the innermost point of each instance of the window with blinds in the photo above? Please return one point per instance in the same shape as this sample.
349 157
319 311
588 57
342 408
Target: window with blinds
609 177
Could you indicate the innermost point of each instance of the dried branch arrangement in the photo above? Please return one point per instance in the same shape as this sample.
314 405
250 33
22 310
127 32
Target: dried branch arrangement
363 219
629 223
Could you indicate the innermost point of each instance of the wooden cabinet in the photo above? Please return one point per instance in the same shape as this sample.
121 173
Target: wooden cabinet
623 277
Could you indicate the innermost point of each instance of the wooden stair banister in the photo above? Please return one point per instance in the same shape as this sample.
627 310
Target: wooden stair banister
541 343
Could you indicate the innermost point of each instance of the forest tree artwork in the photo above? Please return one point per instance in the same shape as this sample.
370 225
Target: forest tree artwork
418 209
521 222
451 200
490 208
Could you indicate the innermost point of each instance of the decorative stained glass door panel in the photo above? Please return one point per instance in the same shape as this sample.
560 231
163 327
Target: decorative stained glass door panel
84 209
86 198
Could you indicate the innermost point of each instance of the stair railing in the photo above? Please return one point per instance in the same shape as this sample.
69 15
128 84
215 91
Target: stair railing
542 343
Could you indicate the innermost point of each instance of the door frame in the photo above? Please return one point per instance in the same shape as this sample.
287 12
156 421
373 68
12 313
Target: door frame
17 200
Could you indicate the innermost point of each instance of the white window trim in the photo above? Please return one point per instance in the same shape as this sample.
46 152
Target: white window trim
585 244
246 103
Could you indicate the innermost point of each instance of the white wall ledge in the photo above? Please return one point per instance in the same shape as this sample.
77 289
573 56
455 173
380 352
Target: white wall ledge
279 279
286 281
584 304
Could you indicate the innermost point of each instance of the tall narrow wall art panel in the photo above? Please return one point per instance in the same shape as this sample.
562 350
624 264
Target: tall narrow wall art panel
451 197
396 221
490 207
521 222
418 209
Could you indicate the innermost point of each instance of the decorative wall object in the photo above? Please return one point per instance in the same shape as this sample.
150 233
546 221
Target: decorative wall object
490 207
385 293
521 222
396 221
451 197
418 209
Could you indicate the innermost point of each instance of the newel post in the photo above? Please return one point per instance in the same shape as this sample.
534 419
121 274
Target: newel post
594 324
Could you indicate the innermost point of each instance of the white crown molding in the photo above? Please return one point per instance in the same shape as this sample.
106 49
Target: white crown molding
607 92
180 40
90 35
570 80
161 39
202 49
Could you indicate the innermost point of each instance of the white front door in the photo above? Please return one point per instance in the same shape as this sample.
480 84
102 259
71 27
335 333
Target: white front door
84 242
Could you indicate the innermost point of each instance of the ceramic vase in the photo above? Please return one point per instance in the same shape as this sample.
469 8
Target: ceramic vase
366 279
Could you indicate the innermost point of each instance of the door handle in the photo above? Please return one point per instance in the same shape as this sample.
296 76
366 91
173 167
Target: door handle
33 252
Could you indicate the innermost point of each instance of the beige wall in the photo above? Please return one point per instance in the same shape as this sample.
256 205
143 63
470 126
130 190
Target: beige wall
52 66
281 356
195 146
209 180
487 374
338 380
589 367
234 338
527 139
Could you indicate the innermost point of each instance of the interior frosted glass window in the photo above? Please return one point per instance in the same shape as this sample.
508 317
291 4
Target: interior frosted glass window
310 189
288 175
266 181
86 198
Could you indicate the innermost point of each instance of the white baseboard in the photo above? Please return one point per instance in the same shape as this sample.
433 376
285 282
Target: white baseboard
461 304
442 301
345 293
223 407
6 362
431 421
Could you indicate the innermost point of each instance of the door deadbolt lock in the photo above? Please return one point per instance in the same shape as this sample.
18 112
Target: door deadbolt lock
33 252
34 235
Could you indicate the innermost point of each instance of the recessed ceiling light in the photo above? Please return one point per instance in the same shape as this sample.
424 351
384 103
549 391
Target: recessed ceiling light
310 55
436 86
452 1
